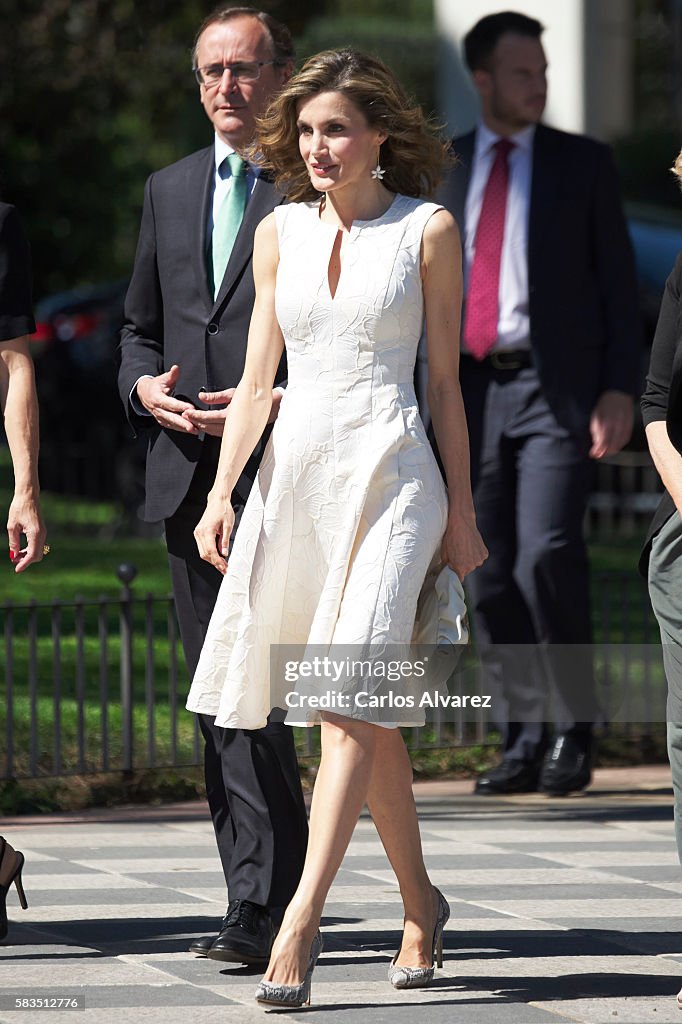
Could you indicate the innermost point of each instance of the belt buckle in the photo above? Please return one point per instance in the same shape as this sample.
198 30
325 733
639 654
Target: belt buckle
499 362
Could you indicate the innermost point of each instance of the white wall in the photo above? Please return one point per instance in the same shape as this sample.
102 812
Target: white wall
589 53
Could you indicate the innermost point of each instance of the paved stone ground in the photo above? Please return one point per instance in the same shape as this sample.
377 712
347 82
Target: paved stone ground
562 910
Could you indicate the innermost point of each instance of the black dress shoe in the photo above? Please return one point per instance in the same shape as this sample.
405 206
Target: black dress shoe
202 945
246 937
509 776
567 766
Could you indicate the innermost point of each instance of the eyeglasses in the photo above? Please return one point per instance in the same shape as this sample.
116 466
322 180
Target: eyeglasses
244 71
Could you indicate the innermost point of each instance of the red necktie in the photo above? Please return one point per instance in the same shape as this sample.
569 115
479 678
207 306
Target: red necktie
482 304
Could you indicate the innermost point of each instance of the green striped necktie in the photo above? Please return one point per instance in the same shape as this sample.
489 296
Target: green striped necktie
228 220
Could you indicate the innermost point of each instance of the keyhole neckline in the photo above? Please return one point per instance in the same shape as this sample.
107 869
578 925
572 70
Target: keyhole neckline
318 207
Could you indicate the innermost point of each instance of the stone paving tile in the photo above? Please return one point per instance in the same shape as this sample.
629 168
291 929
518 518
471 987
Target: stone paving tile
619 860
619 1011
108 893
557 895
596 908
527 876
203 861
455 862
114 905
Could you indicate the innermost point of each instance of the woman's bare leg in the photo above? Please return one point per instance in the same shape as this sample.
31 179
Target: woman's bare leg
391 804
348 749
360 762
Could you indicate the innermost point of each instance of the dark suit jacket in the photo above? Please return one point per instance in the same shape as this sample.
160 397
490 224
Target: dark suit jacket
584 319
170 315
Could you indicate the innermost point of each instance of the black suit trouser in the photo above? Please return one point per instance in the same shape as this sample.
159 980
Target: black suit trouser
252 779
530 599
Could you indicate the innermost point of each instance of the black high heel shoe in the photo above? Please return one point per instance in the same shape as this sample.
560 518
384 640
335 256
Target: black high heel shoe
4 889
418 977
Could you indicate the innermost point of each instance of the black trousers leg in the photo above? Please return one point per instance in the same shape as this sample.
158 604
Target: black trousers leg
252 780
530 599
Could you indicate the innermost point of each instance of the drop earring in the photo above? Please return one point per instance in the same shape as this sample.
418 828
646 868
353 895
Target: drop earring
378 171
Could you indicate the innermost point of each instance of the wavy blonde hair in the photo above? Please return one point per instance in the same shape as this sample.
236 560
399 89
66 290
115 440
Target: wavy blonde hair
414 155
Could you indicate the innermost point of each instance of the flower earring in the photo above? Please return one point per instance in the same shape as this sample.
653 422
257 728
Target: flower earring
378 171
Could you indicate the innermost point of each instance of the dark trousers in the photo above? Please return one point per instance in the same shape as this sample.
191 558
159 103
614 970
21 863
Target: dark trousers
665 590
252 779
530 599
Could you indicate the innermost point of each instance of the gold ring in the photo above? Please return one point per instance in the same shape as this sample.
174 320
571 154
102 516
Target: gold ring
46 549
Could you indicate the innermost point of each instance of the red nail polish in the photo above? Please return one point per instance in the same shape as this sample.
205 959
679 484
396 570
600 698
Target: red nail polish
11 556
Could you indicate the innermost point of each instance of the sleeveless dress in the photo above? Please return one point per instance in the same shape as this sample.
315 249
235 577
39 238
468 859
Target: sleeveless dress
348 510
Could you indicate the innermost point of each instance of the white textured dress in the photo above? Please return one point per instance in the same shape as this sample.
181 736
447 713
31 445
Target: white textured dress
349 508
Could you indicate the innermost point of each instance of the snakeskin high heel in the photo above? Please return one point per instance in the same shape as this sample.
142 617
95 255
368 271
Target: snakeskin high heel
4 889
418 977
291 995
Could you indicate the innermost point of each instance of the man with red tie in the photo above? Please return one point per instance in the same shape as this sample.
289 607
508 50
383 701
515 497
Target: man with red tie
549 363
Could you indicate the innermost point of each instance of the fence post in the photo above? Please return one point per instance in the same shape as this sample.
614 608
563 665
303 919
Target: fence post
126 574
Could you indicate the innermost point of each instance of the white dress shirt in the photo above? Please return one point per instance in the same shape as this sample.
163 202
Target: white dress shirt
513 327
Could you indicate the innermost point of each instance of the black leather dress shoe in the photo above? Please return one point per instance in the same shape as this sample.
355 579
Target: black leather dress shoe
202 945
246 937
509 776
567 766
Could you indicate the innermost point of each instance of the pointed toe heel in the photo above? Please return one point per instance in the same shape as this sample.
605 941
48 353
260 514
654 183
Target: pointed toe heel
271 994
418 977
18 882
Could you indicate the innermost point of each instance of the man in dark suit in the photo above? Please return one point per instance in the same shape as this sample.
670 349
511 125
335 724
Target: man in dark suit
548 371
182 352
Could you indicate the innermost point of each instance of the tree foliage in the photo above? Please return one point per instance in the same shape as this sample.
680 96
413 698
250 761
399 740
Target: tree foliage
94 95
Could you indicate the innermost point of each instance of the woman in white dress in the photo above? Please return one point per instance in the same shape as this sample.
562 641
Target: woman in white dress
349 511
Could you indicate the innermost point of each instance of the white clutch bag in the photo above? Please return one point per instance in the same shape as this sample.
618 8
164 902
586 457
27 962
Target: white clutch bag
441 612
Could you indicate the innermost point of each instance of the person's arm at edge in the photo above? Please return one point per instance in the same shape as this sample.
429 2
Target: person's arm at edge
612 418
251 404
463 548
20 411
654 402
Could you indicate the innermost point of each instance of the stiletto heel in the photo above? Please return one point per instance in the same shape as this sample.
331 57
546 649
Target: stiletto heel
418 977
292 995
4 888
19 884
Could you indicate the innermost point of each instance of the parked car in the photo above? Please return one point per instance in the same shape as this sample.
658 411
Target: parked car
87 447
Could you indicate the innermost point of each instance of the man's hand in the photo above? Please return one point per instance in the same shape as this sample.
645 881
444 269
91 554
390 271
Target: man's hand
213 421
24 517
156 395
611 423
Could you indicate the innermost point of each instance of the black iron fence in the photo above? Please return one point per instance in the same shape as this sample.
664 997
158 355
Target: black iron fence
626 491
99 685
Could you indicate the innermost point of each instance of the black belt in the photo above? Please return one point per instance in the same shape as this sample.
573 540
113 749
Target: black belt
505 359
